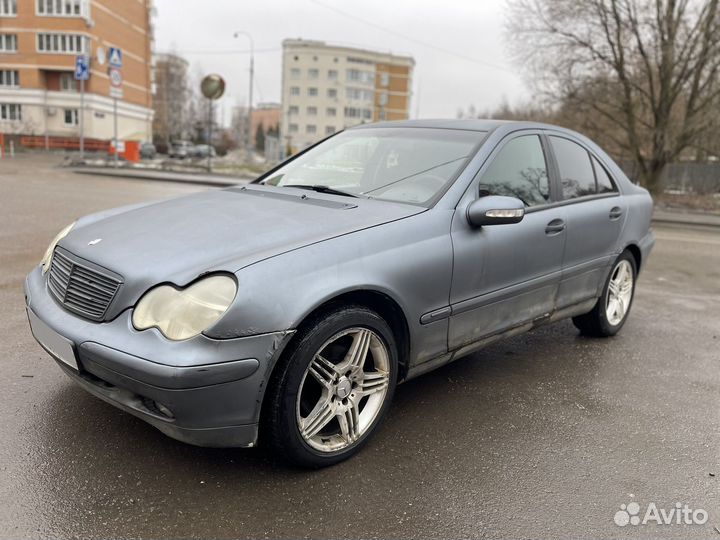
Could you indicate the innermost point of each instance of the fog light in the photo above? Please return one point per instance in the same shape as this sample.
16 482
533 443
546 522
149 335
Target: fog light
157 408
163 409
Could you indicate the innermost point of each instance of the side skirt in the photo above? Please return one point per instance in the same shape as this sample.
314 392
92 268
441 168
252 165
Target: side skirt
564 313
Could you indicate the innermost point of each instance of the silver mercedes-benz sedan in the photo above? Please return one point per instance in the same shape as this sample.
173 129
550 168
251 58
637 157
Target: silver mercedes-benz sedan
284 312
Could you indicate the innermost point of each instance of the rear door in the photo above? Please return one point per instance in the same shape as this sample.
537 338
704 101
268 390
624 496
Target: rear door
595 214
506 275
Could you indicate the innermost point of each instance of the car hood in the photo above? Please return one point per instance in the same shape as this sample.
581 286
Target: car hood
179 239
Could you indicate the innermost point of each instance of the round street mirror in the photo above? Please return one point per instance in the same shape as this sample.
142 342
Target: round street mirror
212 86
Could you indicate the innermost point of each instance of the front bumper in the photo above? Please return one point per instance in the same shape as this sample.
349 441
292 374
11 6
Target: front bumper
202 391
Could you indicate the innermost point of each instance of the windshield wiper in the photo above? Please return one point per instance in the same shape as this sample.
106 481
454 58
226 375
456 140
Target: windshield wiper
322 189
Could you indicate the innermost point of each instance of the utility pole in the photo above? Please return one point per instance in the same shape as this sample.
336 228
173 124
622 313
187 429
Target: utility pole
248 142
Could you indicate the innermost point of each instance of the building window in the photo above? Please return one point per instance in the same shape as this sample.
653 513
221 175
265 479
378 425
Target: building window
8 8
293 109
294 90
331 111
312 111
385 79
383 98
72 118
329 130
357 112
68 82
293 128
61 43
333 74
358 75
311 128
312 91
359 93
8 43
295 73
313 73
9 77
62 8
10 111
332 92
382 115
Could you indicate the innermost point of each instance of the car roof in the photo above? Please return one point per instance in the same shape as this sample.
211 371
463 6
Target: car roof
472 124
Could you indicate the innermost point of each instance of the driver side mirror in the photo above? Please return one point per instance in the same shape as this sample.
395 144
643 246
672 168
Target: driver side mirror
495 210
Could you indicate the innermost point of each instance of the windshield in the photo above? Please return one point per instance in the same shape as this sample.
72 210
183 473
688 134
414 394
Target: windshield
410 165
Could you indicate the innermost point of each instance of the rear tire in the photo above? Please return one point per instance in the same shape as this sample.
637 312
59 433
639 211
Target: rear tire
613 307
331 390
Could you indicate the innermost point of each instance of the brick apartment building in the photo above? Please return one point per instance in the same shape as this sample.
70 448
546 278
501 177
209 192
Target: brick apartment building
39 41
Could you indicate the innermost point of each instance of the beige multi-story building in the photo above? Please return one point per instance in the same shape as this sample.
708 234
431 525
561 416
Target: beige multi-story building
39 41
170 100
326 88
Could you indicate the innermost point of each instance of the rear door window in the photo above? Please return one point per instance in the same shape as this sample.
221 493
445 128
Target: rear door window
576 171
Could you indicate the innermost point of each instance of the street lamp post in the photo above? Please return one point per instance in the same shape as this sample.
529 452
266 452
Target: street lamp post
250 91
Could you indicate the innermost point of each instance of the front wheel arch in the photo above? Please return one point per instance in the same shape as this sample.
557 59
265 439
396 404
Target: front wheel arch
379 302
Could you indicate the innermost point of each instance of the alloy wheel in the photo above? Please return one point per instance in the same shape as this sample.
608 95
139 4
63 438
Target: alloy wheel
343 389
619 295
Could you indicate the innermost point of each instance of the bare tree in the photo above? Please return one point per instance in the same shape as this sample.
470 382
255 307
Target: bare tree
643 74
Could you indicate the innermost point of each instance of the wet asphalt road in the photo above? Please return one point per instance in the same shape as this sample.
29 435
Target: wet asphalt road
544 435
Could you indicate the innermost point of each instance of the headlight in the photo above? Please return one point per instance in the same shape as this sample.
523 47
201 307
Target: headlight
47 258
184 313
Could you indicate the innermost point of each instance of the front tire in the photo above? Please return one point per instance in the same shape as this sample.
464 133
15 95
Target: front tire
332 388
612 308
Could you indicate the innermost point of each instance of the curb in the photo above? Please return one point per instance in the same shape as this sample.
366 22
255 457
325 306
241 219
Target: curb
164 176
686 222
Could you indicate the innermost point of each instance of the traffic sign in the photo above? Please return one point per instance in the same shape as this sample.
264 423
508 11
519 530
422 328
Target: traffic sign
116 89
115 57
82 68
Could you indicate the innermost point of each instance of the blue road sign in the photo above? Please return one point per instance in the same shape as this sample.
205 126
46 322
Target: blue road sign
82 68
115 57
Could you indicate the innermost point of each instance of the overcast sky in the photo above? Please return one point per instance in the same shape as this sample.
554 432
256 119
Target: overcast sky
459 47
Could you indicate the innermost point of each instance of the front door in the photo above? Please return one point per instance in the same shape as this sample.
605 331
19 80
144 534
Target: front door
506 275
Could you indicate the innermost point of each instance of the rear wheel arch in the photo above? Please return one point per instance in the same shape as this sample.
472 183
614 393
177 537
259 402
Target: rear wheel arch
637 255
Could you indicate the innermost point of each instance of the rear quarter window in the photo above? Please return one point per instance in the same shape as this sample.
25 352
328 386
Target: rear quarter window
604 182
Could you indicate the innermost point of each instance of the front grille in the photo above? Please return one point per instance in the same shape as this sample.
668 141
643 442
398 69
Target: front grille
81 289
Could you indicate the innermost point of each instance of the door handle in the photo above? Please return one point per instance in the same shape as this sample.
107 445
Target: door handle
615 213
556 226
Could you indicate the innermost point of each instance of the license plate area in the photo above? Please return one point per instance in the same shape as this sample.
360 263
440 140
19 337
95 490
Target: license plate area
58 346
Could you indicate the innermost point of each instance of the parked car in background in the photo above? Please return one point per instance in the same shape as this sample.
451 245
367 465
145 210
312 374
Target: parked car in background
202 151
284 312
148 150
180 149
